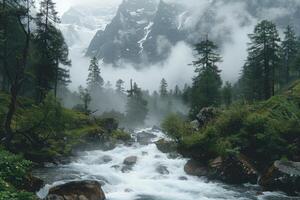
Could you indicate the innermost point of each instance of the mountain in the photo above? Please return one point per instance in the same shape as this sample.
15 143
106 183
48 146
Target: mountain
80 23
144 31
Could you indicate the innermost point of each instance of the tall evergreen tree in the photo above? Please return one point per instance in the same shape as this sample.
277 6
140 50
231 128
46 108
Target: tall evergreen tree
289 49
23 18
120 86
136 108
177 91
263 59
207 83
227 93
52 50
163 90
94 80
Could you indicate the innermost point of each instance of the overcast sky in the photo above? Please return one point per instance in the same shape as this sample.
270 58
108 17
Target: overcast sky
64 5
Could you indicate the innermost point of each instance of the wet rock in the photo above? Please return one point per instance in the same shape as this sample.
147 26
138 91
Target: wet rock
103 160
173 155
162 170
32 183
130 160
195 168
284 176
77 190
166 146
145 138
144 153
156 129
116 166
183 178
234 170
205 115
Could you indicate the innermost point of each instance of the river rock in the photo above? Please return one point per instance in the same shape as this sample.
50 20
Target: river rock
166 146
195 168
103 160
156 129
32 183
284 176
130 161
162 170
144 138
234 170
77 190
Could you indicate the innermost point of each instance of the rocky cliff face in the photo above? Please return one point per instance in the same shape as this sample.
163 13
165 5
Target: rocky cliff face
144 31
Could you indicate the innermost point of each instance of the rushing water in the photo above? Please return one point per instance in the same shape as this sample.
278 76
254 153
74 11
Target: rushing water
156 176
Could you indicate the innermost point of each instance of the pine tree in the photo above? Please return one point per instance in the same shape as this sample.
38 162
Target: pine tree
177 91
263 60
163 90
207 83
136 108
94 81
227 94
52 51
120 86
289 49
86 99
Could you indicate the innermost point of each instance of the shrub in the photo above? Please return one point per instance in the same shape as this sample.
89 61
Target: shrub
175 127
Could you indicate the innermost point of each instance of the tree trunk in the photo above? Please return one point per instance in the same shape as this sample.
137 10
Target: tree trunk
17 83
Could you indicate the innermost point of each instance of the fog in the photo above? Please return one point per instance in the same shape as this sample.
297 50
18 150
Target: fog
234 24
231 26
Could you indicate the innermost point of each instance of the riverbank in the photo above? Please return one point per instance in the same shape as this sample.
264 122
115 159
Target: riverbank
46 133
256 143
139 171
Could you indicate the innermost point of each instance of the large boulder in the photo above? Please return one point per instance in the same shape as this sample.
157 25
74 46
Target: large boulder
130 160
283 176
205 115
233 169
32 183
166 146
77 190
195 168
145 138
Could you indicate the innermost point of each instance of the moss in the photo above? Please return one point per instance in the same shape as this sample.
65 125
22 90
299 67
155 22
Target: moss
121 135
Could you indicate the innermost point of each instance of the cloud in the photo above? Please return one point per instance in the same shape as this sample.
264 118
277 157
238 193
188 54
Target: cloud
175 70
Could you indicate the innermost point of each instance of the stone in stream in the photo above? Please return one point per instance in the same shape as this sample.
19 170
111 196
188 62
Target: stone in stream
129 162
77 190
144 138
195 168
103 160
162 170
284 176
166 146
234 170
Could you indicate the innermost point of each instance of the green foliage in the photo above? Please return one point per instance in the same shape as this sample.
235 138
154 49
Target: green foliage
94 80
207 83
121 135
136 107
264 132
258 78
13 170
176 127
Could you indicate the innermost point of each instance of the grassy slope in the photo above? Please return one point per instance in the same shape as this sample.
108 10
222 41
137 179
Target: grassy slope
264 131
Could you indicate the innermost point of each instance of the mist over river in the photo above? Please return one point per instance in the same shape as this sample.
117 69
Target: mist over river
155 176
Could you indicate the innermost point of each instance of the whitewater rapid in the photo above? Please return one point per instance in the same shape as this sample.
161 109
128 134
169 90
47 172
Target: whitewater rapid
145 181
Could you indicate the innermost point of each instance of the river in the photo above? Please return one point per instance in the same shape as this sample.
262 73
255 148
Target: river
155 176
